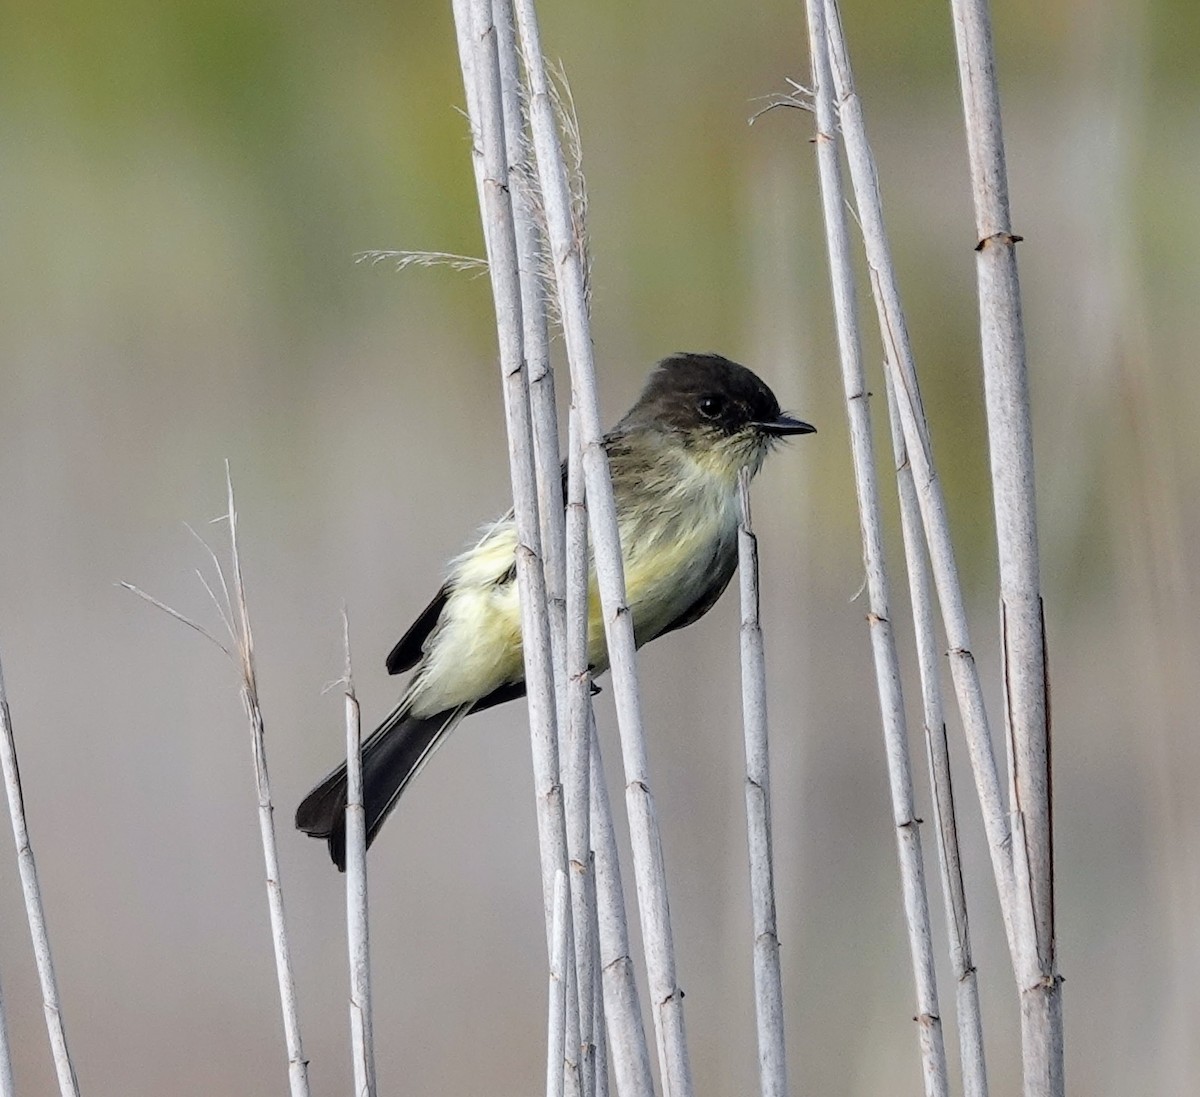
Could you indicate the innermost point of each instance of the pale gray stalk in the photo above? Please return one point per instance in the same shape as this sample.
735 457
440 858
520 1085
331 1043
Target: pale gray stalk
466 60
34 911
556 1020
1022 622
883 643
522 182
599 1021
236 617
481 77
6 1072
576 755
567 249
768 982
970 1019
244 648
544 412
357 927
899 359
572 1071
622 1004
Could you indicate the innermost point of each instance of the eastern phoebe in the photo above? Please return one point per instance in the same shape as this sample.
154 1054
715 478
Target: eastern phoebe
675 460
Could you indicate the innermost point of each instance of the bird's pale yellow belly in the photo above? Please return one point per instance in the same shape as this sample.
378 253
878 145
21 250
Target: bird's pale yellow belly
672 556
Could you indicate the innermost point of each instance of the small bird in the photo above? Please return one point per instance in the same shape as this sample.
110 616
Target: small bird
675 459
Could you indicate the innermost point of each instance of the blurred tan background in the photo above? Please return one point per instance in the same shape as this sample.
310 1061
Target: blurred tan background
185 186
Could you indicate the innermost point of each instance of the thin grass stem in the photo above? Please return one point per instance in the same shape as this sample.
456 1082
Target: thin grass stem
7 1088
920 585
569 253
576 756
556 1022
906 389
1022 620
484 94
236 617
883 643
244 649
362 1044
622 1003
768 981
34 910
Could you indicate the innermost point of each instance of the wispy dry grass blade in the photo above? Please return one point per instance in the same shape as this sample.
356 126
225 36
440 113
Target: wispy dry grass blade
34 911
768 982
297 1064
236 616
405 259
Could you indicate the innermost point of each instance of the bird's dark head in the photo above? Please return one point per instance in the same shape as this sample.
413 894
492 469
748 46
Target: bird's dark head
724 414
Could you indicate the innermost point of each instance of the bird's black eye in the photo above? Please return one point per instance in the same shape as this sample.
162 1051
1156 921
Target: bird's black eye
711 406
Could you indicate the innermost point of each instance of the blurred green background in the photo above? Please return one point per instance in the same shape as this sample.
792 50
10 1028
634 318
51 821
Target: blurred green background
185 186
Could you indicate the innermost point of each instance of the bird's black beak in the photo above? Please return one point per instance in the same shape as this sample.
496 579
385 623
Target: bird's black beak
785 425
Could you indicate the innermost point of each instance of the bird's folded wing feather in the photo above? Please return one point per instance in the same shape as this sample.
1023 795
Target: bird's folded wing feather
410 647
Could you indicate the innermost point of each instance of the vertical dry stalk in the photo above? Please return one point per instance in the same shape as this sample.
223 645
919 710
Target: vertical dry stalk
622 1004
1010 436
493 97
34 911
572 740
571 1066
522 184
599 1033
883 644
357 931
556 1022
768 983
569 267
236 617
481 77
544 413
907 392
244 646
6 1073
970 1019
576 757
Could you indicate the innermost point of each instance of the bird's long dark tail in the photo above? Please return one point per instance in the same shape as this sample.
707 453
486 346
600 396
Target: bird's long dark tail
391 757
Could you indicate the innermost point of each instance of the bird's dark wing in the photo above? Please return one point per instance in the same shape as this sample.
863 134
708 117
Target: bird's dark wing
410 648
